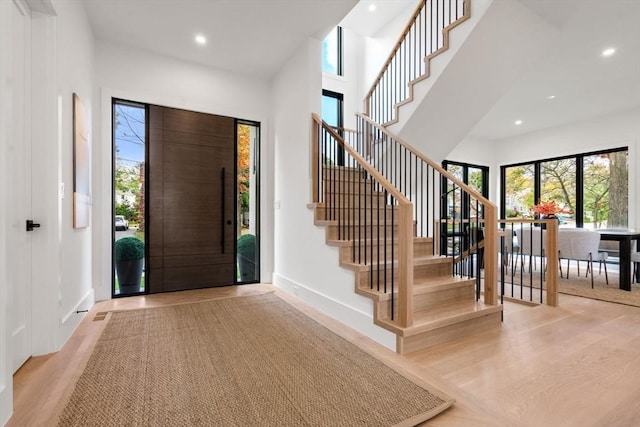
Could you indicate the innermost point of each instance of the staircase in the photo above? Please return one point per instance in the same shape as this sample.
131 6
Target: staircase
385 238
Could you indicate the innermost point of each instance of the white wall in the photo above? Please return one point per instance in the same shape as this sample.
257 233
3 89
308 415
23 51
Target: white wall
61 57
142 76
68 250
378 47
6 383
304 265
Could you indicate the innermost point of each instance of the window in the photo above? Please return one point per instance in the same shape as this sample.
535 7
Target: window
332 113
332 57
248 201
591 188
129 154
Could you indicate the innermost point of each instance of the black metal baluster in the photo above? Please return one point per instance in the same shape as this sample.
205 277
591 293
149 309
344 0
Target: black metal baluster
393 263
386 259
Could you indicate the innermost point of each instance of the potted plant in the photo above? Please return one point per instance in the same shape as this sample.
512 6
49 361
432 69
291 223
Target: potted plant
129 255
246 247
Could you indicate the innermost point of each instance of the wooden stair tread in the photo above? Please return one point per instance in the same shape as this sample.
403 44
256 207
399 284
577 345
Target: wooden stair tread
437 283
442 316
423 286
349 243
417 261
335 223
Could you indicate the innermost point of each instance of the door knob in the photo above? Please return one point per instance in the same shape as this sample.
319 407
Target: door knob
31 225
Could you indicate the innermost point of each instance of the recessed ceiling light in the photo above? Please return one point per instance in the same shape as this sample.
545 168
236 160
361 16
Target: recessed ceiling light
550 97
200 39
608 52
518 122
372 7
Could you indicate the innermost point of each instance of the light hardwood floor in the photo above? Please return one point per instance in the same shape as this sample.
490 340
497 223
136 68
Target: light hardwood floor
573 365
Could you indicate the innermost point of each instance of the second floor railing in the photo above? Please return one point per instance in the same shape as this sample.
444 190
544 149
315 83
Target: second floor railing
426 35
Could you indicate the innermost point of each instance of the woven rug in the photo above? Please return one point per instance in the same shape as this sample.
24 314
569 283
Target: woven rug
245 361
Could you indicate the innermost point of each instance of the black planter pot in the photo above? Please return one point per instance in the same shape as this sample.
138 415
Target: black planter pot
247 268
129 274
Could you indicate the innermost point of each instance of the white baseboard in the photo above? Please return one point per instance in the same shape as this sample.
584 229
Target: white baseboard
72 319
350 316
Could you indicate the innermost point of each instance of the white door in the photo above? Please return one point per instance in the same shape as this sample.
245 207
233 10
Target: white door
18 190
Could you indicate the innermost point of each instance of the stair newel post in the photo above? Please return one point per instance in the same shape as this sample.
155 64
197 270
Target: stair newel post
490 255
405 264
551 251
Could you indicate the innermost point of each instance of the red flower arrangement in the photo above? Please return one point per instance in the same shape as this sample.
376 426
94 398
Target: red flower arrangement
546 208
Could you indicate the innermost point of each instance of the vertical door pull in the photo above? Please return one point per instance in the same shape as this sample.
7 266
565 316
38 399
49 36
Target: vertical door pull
222 207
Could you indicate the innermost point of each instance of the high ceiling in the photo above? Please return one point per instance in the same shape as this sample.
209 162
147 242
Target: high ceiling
168 27
585 84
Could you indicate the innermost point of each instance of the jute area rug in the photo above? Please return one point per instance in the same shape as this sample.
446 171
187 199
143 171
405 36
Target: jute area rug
245 361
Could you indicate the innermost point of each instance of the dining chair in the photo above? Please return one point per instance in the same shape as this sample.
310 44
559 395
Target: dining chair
635 259
581 245
531 244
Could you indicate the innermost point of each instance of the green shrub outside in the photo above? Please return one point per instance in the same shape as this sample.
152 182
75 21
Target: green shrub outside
247 245
129 248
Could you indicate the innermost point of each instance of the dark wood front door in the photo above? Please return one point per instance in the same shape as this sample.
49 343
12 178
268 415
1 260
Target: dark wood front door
191 200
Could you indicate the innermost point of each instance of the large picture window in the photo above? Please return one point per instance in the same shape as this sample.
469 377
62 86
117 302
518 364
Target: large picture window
590 188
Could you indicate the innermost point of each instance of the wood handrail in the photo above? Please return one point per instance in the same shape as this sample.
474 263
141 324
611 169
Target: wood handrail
407 29
431 163
365 165
405 222
397 46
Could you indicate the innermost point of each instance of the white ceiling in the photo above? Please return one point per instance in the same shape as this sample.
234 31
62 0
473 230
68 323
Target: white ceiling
585 84
252 37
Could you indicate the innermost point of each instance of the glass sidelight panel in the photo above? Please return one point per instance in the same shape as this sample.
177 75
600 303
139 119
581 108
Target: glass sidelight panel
129 140
248 212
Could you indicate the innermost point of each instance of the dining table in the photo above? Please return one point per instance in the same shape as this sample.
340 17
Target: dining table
624 238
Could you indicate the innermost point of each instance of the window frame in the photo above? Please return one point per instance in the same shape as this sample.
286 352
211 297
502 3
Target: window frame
579 159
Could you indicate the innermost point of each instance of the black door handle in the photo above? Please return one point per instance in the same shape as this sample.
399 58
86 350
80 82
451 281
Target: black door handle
31 225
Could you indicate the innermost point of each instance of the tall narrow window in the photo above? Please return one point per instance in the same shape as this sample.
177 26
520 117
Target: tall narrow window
129 141
247 196
332 113
332 57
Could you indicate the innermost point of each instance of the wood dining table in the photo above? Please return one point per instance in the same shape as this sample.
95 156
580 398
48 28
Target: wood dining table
624 238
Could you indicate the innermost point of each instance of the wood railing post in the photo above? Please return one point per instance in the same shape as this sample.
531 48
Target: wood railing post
551 252
490 255
405 265
315 156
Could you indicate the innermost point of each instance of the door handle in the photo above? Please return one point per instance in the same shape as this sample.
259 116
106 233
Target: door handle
31 225
222 208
